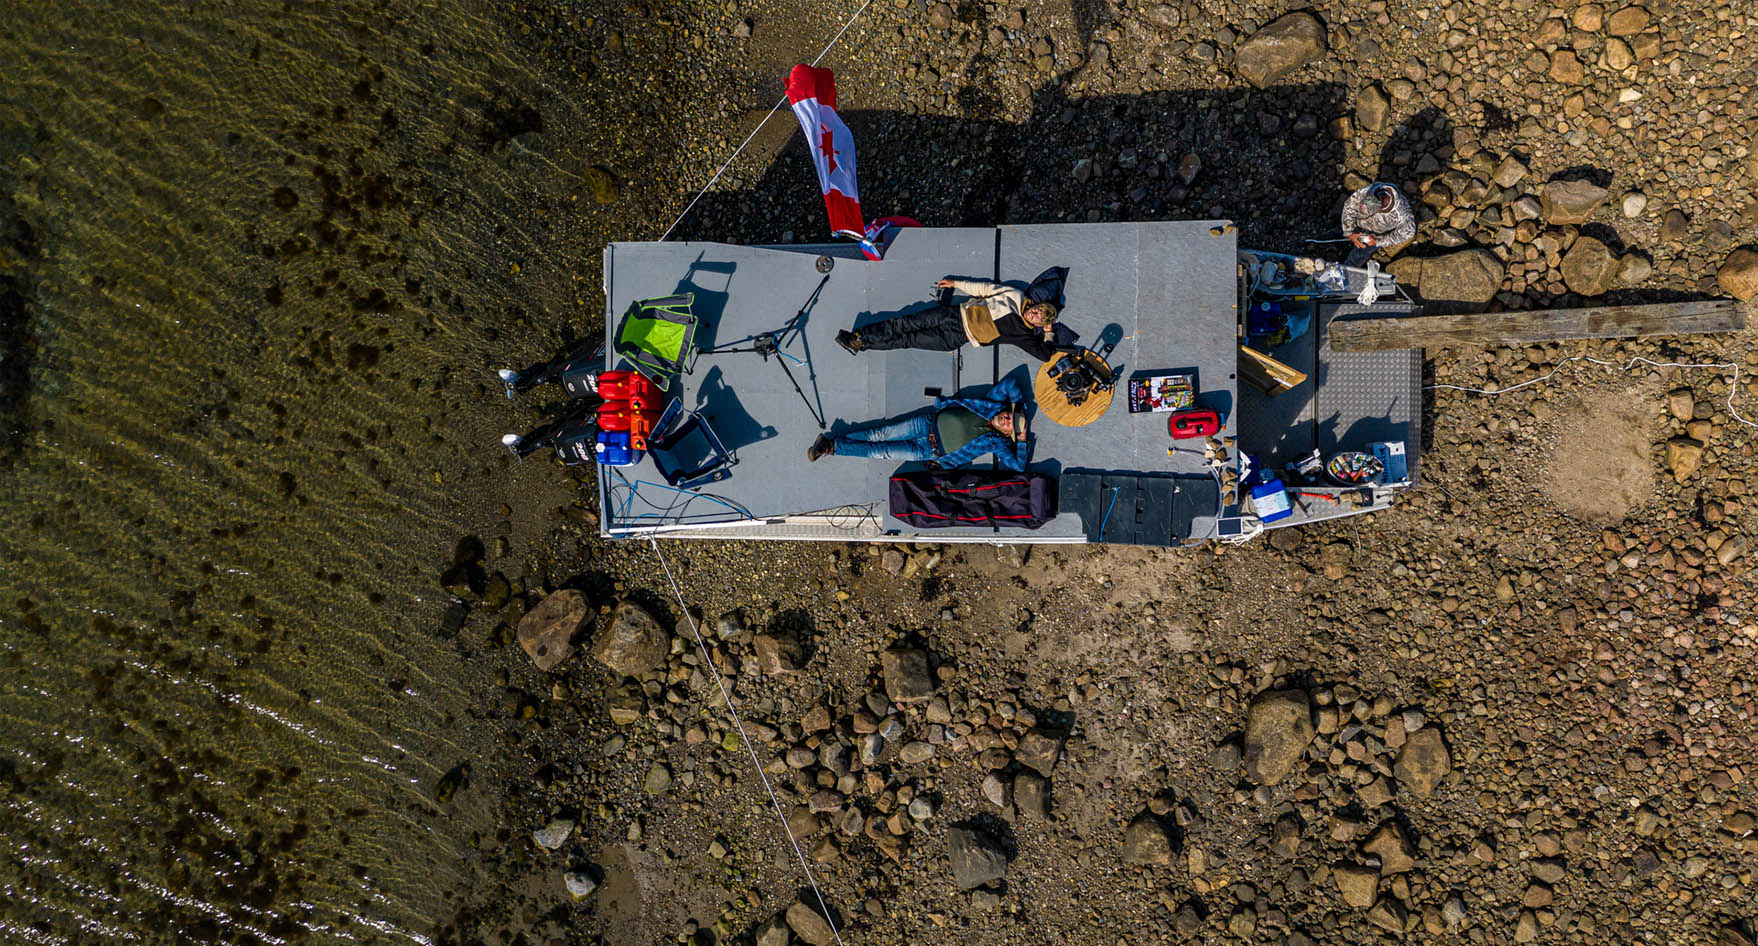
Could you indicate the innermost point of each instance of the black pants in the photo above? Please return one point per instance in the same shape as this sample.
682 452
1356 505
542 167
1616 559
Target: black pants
940 328
547 372
570 416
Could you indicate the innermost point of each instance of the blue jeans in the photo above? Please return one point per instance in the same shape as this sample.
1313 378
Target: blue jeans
902 438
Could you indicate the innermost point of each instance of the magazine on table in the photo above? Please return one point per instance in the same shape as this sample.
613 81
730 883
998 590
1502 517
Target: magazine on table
1161 393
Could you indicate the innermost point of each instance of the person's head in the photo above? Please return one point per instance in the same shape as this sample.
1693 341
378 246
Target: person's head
1040 315
1386 195
1003 422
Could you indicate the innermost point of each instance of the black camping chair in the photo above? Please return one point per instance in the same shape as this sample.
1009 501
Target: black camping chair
686 450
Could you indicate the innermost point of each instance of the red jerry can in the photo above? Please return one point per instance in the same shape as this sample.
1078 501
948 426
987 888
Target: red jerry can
627 417
628 386
1193 422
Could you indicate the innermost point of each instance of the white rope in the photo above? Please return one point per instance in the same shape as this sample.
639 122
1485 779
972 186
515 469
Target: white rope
741 149
1733 386
749 748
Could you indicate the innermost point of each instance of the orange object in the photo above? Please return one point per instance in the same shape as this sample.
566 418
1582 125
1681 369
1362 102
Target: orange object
630 417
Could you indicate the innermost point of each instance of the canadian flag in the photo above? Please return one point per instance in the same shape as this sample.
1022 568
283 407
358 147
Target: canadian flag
813 94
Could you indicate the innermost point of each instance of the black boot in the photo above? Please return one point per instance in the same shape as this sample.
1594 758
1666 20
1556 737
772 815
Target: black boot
823 446
850 341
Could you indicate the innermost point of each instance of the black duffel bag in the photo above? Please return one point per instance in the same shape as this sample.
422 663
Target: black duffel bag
942 499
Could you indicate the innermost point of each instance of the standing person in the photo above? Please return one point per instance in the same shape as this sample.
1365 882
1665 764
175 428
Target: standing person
954 432
994 314
1377 217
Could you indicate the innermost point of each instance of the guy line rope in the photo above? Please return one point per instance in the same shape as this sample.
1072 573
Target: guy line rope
779 103
756 762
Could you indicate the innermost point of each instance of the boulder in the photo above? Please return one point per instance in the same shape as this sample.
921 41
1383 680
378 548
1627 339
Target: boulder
632 643
1473 275
1285 836
1389 914
1163 16
602 184
657 780
1278 728
1674 226
579 884
1358 885
1509 172
1738 276
1031 795
553 835
1634 268
1279 49
547 631
776 653
1590 268
907 679
1565 67
1039 749
915 753
809 924
1145 841
774 932
1370 108
1683 456
1628 22
1568 202
976 858
1394 850
1423 762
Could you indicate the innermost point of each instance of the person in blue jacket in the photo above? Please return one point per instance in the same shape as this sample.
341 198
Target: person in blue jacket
955 432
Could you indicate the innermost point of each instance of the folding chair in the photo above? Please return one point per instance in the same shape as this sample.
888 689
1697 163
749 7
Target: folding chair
657 337
686 450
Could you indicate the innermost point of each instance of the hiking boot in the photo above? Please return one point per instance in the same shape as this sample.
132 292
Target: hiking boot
850 341
823 446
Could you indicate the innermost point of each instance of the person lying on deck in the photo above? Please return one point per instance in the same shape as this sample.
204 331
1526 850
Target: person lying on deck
994 313
955 432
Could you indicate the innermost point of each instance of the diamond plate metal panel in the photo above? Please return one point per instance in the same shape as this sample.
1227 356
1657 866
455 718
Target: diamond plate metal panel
1362 397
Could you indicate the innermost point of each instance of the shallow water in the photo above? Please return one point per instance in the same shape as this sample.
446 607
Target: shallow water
257 260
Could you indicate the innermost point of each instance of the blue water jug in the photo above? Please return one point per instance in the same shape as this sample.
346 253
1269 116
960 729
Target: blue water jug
615 448
1270 499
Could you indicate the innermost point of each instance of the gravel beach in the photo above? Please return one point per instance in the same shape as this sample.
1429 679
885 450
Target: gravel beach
1518 707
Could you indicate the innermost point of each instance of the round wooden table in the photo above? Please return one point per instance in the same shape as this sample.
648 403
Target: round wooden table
1055 406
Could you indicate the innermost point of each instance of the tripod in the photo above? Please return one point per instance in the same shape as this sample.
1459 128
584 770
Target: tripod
765 344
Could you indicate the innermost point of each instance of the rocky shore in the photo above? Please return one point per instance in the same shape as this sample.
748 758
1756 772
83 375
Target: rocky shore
1518 707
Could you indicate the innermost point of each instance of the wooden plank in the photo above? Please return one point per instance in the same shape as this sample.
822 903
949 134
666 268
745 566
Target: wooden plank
1537 325
1267 374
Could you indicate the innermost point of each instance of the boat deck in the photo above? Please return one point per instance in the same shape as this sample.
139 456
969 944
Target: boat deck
1166 293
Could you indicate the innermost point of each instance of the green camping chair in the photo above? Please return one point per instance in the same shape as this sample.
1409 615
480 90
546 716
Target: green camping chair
657 337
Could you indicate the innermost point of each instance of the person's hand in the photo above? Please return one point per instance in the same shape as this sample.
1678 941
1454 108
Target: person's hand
943 284
1362 240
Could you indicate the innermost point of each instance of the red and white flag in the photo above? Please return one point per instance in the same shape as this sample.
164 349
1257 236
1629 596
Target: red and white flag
813 94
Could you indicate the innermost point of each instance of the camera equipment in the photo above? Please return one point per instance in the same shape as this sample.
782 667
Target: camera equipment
765 344
1083 371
